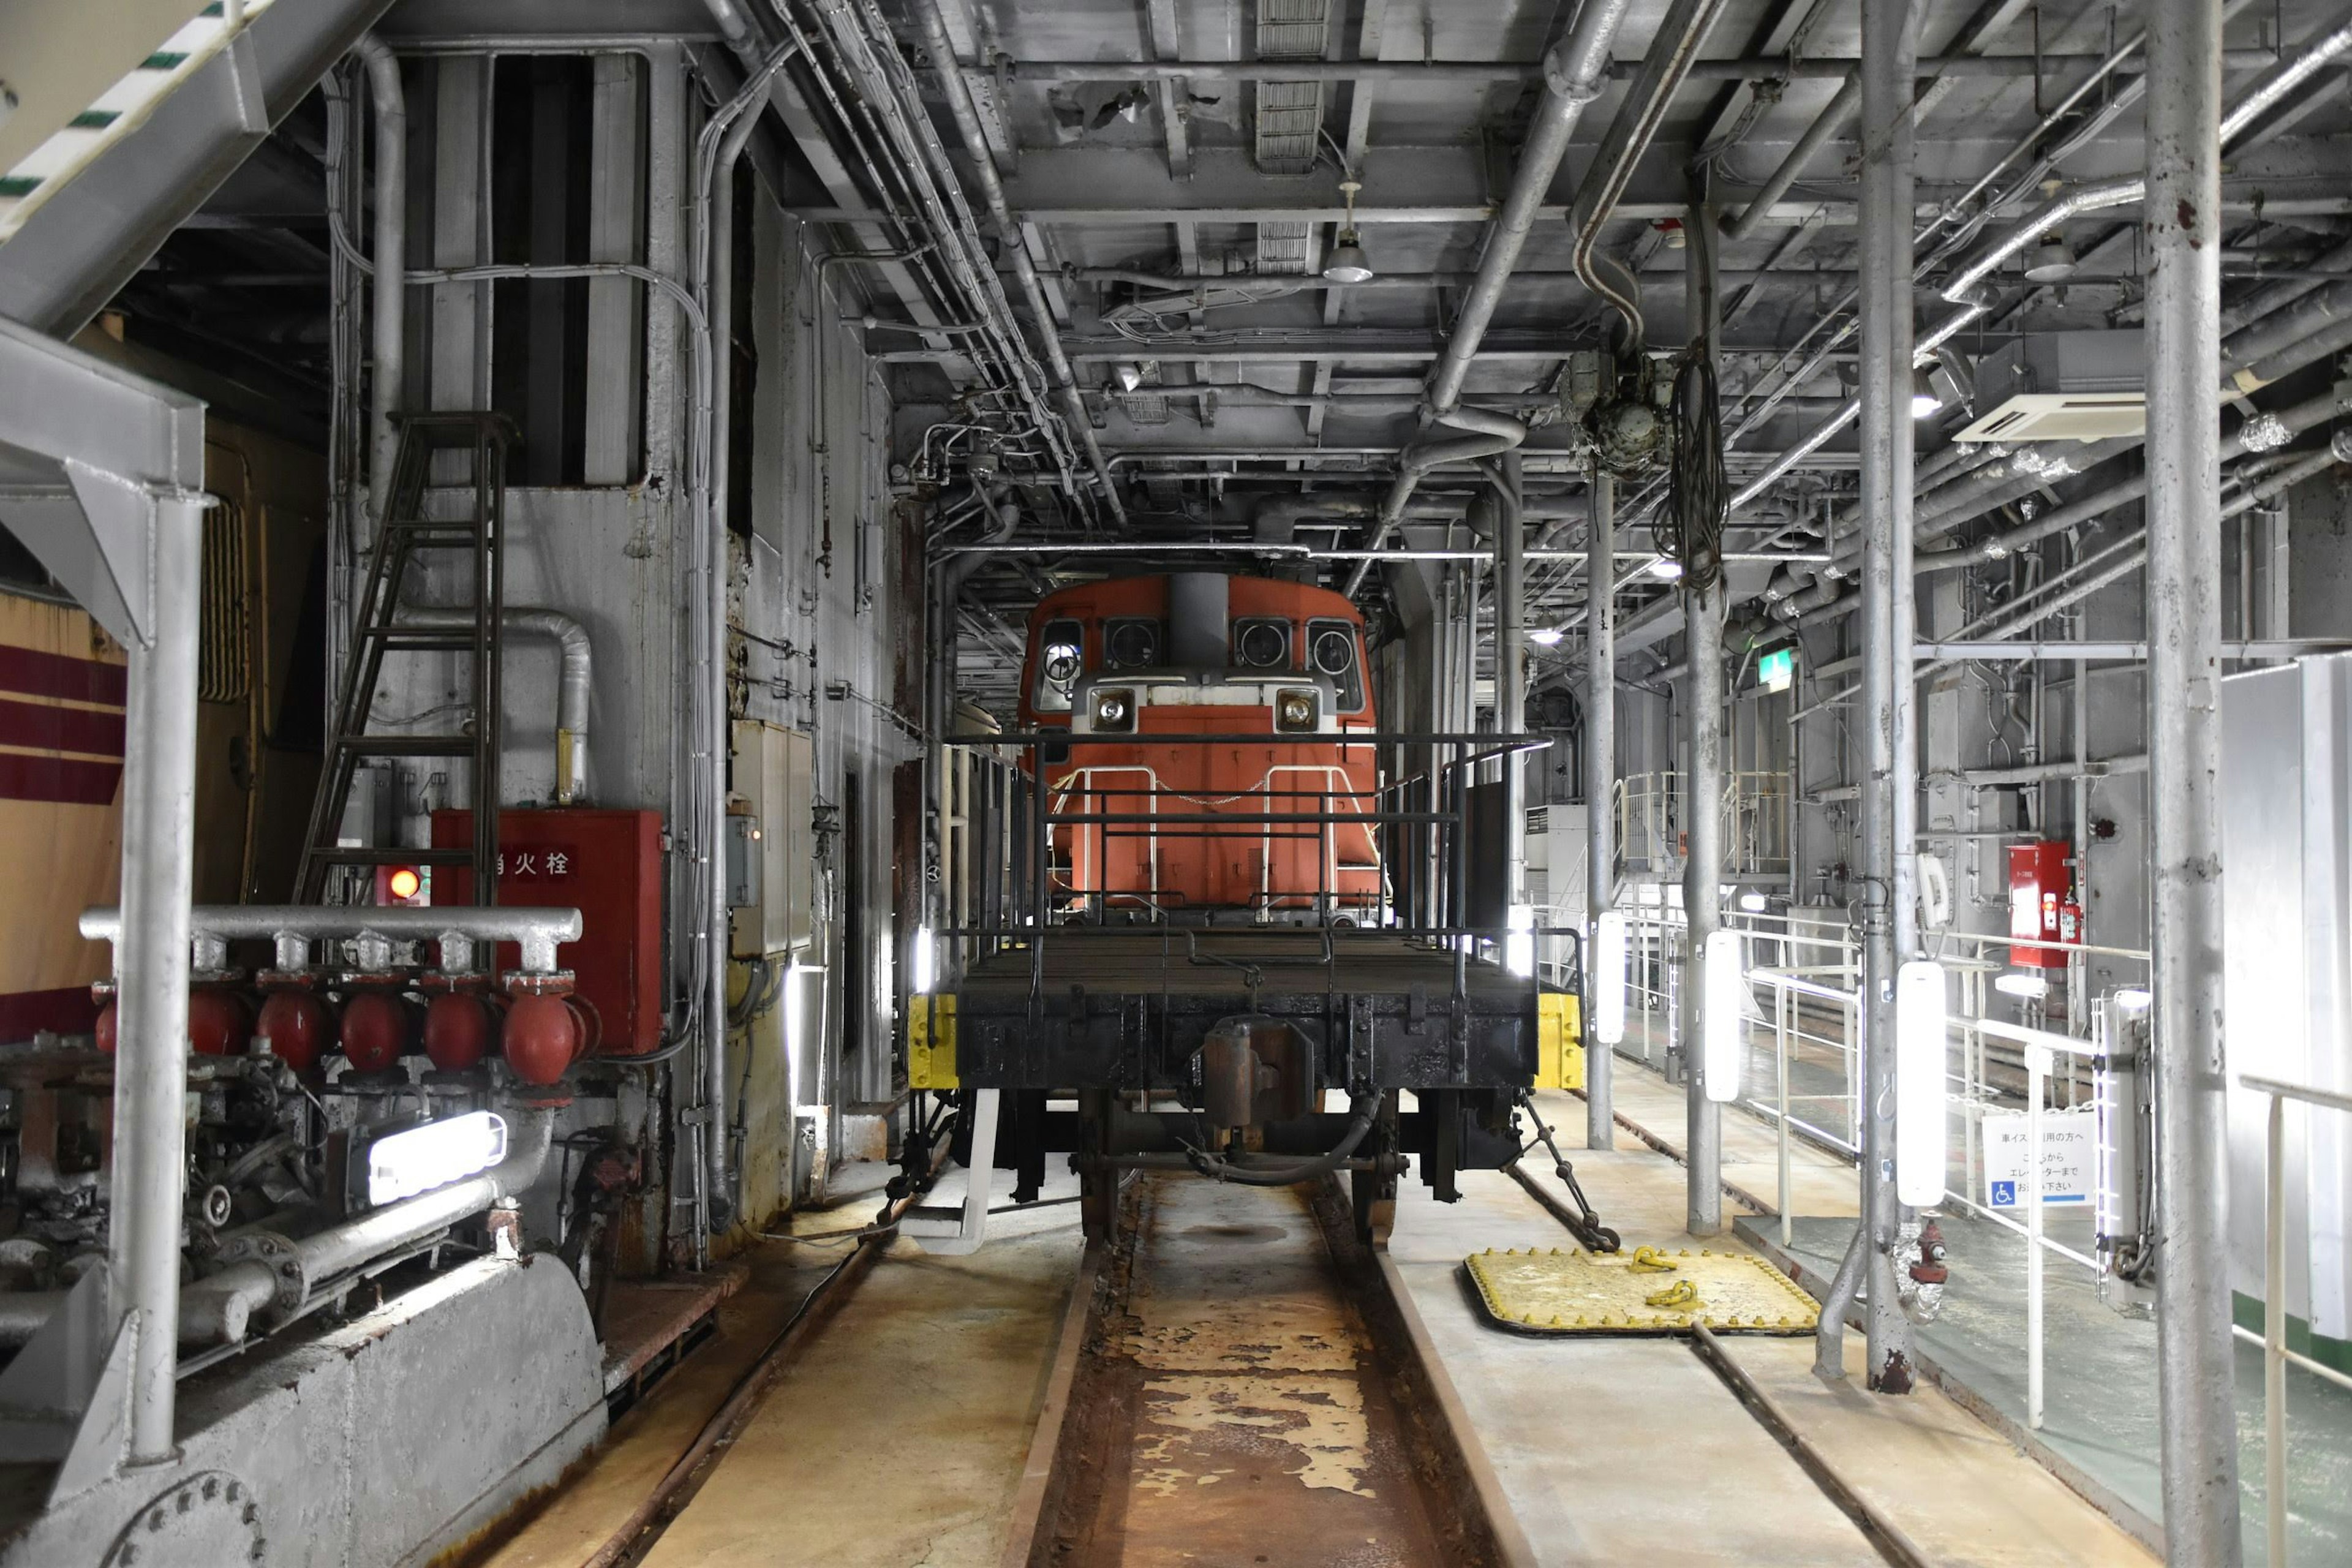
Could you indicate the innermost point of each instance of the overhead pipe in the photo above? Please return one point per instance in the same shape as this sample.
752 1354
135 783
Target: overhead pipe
2258 102
717 149
1830 120
2287 289
949 72
390 104
219 1307
1574 72
1828 598
879 116
1676 43
2032 228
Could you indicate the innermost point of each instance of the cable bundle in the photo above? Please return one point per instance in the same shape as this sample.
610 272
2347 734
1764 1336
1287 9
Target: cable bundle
1696 502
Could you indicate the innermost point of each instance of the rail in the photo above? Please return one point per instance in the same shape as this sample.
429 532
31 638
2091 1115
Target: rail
2273 1338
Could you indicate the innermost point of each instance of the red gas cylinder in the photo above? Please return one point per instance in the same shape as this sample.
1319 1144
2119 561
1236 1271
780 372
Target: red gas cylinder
545 1034
458 1026
295 1025
217 1021
105 1028
375 1030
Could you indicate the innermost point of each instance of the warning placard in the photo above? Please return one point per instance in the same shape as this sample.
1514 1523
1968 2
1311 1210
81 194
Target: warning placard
2070 1157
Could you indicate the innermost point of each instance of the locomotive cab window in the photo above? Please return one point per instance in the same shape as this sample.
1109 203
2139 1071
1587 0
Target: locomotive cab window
1130 644
1262 643
1331 650
1060 656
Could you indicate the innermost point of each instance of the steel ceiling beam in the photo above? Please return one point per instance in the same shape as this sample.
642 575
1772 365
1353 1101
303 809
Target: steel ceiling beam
77 250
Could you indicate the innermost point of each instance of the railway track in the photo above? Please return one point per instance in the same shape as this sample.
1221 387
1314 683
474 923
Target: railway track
1235 1385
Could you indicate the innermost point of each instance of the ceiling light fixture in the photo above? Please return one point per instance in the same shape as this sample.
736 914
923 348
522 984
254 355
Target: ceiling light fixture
1924 399
1347 262
2051 262
1545 636
1667 567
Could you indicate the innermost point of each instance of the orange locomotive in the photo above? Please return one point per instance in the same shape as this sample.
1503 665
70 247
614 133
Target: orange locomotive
1205 654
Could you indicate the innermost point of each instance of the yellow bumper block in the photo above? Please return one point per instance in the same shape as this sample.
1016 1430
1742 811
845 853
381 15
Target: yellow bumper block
1564 1291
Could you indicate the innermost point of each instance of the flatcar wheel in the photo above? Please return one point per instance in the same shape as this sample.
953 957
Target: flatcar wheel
1372 1195
1097 1184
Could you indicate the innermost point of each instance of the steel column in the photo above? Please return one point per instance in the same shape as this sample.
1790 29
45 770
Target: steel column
1890 45
159 796
1511 660
1702 898
1703 613
1599 789
2182 242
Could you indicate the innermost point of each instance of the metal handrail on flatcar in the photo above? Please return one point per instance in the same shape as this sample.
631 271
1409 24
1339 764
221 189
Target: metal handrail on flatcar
1021 889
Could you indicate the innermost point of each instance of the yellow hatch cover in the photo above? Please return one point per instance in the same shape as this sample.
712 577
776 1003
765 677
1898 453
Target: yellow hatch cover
1647 1291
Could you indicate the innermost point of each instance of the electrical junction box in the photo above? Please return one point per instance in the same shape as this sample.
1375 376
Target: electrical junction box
775 775
608 865
2061 386
2040 892
745 851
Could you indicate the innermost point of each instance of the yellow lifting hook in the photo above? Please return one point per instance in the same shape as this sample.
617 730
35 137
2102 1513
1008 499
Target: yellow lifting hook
1649 1260
1681 1293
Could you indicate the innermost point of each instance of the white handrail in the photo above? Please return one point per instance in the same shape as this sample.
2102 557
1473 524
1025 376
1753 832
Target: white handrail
2275 1354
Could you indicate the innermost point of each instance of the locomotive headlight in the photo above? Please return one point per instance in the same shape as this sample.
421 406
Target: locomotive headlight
1115 710
1294 711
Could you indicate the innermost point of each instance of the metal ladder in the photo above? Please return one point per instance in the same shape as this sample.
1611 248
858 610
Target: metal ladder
473 448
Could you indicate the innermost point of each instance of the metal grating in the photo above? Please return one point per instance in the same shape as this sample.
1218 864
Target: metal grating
1293 29
224 643
1289 114
1285 247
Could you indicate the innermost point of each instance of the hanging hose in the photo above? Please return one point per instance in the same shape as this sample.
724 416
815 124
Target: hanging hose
1257 1170
1695 498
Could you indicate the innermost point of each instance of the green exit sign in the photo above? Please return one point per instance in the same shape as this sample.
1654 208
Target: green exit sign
1777 670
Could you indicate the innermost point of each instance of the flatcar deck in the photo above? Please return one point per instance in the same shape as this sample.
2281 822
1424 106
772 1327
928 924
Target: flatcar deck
1234 961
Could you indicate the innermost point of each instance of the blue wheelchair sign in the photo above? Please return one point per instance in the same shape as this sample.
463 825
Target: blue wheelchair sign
2004 1195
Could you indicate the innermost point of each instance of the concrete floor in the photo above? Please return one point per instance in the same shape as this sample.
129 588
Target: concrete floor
897 1438
895 1441
1662 1464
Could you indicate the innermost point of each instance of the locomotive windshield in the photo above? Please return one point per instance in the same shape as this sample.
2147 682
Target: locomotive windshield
1059 658
1332 644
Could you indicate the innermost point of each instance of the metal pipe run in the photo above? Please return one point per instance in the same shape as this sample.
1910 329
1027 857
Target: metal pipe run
1406 73
220 1306
1014 245
536 931
1599 792
1667 61
1573 73
1830 120
151 1078
574 684
2196 1380
389 332
719 144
